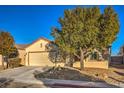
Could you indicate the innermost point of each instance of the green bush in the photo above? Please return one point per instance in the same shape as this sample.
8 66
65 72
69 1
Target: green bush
14 62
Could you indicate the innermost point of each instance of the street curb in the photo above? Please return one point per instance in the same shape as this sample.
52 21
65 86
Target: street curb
67 83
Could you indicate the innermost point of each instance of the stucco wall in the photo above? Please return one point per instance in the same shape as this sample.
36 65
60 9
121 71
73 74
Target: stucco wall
0 59
103 64
93 64
22 54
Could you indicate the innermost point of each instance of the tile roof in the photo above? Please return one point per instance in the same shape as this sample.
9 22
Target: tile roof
23 46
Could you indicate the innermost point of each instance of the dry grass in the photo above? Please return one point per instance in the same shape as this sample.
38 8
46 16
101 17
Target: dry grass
113 75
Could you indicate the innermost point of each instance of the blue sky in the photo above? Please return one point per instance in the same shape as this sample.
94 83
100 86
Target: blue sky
28 23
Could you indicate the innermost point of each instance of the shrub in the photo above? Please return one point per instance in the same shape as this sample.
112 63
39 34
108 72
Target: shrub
14 62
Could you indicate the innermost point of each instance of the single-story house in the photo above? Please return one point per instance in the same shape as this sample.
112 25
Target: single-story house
34 54
37 54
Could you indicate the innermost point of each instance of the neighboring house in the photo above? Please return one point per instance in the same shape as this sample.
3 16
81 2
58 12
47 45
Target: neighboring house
35 54
118 59
121 51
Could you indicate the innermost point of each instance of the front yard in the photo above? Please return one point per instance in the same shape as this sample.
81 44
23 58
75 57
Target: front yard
114 75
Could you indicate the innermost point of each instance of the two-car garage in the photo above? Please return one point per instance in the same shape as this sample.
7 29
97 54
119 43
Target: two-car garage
39 58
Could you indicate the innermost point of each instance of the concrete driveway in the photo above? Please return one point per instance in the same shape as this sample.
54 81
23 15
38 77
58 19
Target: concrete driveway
22 74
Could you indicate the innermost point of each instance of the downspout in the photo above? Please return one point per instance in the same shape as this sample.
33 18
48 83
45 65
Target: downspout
25 58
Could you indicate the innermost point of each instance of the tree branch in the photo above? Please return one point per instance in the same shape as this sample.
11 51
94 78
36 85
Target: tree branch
77 55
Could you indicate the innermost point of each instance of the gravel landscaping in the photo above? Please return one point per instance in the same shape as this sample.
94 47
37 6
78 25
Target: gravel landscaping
114 75
66 74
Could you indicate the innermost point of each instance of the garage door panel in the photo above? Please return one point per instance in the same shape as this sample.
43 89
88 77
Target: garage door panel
39 59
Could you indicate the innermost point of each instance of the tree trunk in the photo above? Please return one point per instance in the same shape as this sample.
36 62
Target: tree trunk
7 63
7 66
55 59
69 61
66 60
3 64
81 59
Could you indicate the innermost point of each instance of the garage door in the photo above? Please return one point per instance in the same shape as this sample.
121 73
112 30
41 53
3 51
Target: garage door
39 59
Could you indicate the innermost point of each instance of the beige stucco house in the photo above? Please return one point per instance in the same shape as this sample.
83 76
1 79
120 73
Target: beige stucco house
35 54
